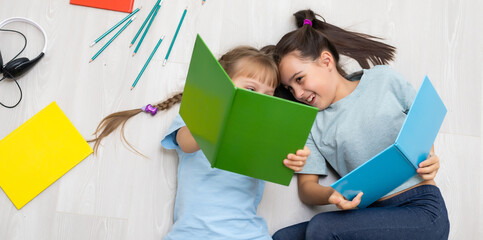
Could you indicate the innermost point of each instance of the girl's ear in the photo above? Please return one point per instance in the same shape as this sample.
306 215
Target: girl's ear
326 59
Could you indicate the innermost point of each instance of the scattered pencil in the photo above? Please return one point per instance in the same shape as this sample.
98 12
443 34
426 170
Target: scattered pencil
147 28
114 27
147 62
175 35
112 39
144 23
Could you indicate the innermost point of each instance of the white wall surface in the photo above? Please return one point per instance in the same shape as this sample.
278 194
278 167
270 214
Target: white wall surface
120 195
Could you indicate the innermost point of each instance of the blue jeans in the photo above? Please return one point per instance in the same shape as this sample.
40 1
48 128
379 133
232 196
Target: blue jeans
419 213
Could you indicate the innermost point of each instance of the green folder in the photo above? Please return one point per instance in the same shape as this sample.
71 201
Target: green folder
240 130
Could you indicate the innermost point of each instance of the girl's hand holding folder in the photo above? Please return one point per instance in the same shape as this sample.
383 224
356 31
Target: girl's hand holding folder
297 161
428 168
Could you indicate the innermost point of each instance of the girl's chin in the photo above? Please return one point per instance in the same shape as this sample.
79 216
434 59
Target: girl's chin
319 106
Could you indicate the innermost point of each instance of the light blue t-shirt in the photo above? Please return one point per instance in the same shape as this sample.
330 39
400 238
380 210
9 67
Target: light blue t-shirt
212 203
356 128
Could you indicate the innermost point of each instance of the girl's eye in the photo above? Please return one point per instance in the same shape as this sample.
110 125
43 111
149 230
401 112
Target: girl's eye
298 80
250 88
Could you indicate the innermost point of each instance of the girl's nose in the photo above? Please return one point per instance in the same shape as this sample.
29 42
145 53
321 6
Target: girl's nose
299 93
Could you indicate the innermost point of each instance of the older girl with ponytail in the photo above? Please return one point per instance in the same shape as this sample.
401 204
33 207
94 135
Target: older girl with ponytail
360 115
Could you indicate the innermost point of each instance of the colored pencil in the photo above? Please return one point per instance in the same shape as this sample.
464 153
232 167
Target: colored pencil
112 39
114 27
147 28
144 23
175 35
147 62
203 2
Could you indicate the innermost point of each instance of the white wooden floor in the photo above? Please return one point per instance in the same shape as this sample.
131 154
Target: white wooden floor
120 195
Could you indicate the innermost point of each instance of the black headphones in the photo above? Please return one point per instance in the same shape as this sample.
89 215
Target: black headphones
18 66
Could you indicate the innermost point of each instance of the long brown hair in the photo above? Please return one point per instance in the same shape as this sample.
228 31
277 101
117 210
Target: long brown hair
241 61
310 41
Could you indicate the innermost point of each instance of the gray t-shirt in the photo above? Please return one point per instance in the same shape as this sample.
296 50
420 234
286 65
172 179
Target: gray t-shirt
359 126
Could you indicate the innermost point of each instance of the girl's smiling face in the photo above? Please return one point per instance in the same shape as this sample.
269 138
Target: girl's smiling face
311 82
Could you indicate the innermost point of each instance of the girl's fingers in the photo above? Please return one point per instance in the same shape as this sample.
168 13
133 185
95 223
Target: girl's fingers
304 152
430 176
428 169
344 204
294 157
297 162
428 162
355 202
431 165
294 165
432 159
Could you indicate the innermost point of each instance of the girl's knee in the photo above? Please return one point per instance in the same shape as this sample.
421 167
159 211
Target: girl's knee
322 226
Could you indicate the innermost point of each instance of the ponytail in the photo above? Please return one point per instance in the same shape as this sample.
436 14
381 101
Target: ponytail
311 39
114 120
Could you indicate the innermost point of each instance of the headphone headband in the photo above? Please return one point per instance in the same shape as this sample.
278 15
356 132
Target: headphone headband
26 20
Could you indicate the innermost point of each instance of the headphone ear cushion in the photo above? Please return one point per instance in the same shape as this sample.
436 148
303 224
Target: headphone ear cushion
14 68
17 67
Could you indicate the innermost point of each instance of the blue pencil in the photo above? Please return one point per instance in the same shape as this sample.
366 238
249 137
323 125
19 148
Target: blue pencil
175 35
144 23
147 62
114 27
112 39
147 28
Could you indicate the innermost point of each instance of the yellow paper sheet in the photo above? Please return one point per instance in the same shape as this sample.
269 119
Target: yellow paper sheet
38 153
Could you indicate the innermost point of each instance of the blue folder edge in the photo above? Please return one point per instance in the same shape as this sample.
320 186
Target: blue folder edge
422 124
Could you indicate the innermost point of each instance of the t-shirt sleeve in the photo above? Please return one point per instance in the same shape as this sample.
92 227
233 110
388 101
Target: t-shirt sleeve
404 91
315 162
408 95
169 140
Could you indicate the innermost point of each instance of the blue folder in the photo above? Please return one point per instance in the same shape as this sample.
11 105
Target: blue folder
398 163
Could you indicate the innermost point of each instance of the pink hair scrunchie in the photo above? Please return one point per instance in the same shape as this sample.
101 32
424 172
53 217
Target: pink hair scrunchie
306 21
